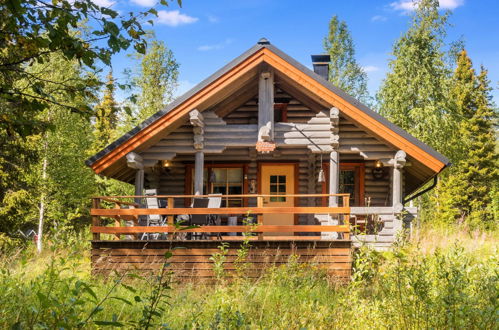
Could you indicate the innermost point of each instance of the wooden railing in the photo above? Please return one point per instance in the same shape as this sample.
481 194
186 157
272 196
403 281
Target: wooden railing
119 209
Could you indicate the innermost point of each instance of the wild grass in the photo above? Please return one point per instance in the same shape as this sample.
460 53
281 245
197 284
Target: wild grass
441 279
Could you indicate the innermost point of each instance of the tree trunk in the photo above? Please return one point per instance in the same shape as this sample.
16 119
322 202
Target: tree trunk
42 202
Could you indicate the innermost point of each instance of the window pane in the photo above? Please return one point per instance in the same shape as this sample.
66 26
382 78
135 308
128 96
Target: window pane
282 188
282 179
235 175
273 188
273 179
220 190
235 190
220 175
347 177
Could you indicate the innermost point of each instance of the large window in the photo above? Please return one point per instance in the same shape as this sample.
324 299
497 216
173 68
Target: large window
222 179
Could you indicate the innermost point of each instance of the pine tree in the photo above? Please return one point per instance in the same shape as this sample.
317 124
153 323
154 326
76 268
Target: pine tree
106 116
414 93
344 71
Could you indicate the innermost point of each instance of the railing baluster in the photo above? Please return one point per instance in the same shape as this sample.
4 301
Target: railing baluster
117 222
96 218
346 216
259 204
170 218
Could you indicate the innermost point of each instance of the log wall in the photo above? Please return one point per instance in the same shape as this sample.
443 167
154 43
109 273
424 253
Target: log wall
191 259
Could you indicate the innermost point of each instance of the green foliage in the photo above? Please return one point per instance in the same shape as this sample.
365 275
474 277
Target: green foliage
106 117
466 194
157 79
154 79
452 287
219 259
56 175
344 71
32 31
414 92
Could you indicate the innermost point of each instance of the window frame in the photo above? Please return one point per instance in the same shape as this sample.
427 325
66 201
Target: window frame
189 178
360 170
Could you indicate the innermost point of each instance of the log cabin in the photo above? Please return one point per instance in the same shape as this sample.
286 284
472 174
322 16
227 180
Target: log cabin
315 170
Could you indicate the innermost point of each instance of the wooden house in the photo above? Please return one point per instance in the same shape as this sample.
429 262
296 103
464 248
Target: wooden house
314 166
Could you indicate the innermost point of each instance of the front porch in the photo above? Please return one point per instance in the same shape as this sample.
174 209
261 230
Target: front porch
122 241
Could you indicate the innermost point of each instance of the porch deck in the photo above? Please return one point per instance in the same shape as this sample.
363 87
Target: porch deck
120 247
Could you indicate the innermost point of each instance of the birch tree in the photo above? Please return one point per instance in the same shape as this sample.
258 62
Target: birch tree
414 94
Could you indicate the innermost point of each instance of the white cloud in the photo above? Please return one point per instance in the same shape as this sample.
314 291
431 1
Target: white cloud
213 19
145 3
104 3
409 5
174 18
450 4
378 18
370 68
220 45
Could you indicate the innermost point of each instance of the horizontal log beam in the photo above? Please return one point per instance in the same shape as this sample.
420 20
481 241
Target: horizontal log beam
225 210
222 229
226 196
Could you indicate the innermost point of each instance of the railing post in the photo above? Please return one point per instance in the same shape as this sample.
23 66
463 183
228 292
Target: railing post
259 203
170 218
95 218
117 222
346 216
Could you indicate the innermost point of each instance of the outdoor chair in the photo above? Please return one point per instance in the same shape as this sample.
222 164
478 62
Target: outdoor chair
153 219
199 219
214 202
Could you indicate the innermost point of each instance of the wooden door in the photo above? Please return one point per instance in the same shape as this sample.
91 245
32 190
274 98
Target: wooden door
278 179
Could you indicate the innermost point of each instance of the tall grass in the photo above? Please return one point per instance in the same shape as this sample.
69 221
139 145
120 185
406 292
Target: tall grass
423 284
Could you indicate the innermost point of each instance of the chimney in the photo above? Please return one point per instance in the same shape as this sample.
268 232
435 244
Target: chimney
321 65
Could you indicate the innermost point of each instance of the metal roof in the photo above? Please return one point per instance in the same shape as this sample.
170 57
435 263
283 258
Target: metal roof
264 43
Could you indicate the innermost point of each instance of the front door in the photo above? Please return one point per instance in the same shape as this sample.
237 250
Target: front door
278 179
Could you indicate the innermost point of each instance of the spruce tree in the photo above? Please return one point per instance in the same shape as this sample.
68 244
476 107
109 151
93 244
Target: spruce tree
414 93
344 71
106 116
466 193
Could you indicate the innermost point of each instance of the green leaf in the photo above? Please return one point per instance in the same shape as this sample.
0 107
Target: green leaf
109 323
122 300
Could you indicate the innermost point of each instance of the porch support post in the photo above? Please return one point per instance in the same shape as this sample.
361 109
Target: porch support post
135 161
398 163
198 173
334 157
266 105
197 121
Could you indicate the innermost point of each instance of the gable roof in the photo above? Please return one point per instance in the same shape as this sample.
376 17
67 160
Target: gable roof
306 78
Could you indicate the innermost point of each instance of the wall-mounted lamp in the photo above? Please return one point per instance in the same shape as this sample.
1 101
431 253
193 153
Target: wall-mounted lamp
378 170
166 163
321 178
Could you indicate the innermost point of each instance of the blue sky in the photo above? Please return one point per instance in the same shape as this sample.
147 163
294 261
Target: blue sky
205 35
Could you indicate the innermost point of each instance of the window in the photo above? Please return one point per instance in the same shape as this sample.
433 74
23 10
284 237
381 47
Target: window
220 179
280 112
227 181
278 187
347 184
351 181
